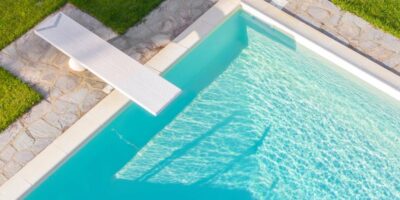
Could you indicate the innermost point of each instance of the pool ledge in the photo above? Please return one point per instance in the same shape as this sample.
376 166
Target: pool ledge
86 127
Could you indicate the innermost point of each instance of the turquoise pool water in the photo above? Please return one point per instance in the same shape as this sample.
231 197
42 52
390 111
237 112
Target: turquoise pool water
260 117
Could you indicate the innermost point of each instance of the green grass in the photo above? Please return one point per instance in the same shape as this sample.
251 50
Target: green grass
117 14
15 98
384 14
18 16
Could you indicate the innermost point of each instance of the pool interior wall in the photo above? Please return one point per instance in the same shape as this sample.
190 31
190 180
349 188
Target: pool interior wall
102 169
103 156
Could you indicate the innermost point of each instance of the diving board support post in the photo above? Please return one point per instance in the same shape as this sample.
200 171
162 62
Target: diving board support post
88 51
75 65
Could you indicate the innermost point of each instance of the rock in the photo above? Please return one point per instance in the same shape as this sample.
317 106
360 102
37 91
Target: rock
328 5
349 31
22 141
40 144
318 13
41 129
120 42
11 168
77 96
61 106
11 50
2 164
61 61
196 3
397 68
367 45
184 14
49 76
7 153
50 55
67 82
380 53
23 157
391 43
160 40
139 32
3 179
196 13
53 94
98 85
393 61
61 121
132 52
32 47
167 26
11 64
36 113
367 36
8 135
347 27
90 100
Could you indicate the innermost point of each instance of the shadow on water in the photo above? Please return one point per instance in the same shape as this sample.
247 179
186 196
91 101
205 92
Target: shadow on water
90 173
202 189
180 152
248 152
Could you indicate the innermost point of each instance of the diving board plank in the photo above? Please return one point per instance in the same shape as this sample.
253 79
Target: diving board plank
137 82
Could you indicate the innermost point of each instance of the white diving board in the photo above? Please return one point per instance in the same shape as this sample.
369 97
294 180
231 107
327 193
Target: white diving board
137 82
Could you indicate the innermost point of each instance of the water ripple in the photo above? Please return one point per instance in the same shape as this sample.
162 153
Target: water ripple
281 124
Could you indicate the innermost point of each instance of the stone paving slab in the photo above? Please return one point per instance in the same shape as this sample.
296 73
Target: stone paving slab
350 30
68 94
161 26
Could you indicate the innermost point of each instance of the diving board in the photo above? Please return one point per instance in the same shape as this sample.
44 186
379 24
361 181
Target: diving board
139 83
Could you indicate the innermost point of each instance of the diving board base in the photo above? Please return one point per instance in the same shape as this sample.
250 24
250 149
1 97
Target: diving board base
75 65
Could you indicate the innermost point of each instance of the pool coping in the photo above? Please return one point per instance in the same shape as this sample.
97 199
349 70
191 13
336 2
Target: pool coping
85 128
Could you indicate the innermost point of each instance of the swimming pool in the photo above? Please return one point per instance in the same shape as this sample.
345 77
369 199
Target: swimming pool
260 117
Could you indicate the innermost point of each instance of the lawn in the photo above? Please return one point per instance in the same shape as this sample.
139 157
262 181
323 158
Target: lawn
384 14
117 14
18 16
15 98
